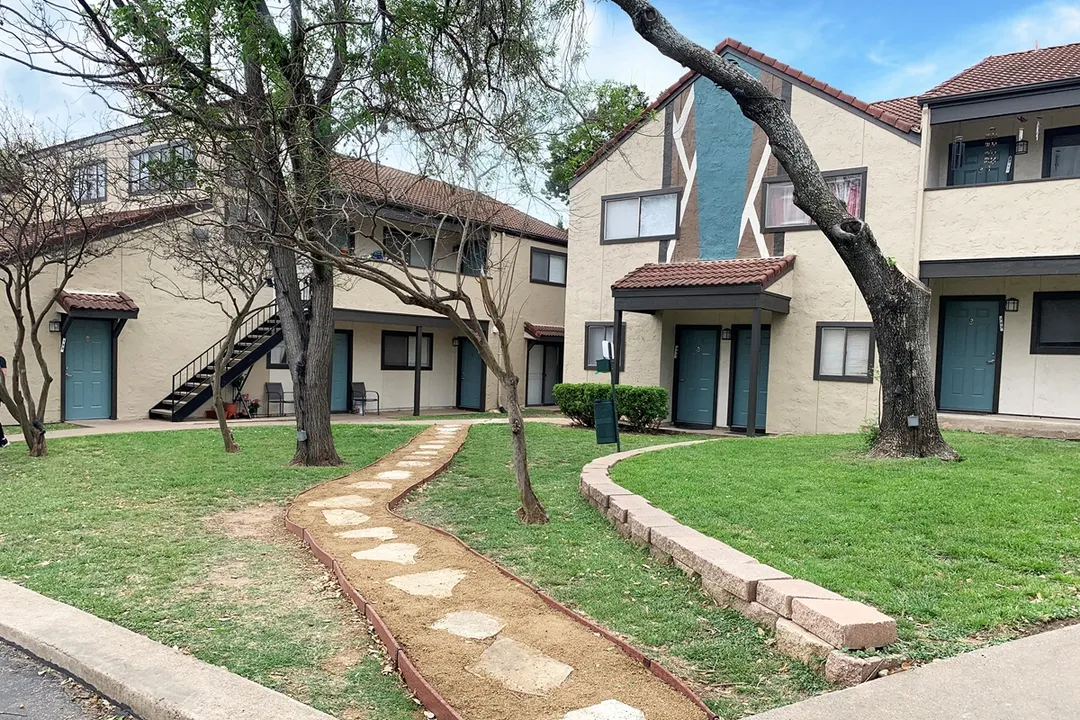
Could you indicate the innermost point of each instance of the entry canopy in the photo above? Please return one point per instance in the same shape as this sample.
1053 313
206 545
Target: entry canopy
105 305
705 285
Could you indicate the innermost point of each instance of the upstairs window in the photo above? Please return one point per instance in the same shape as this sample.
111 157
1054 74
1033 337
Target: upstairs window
547 267
89 183
399 350
640 217
1055 323
416 249
1061 156
849 187
595 335
164 167
844 352
474 257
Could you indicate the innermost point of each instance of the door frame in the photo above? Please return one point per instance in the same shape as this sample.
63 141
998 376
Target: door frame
116 325
348 376
461 340
718 329
942 302
735 329
528 349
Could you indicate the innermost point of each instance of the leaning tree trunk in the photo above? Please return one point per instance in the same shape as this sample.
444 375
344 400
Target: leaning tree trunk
219 397
531 511
898 304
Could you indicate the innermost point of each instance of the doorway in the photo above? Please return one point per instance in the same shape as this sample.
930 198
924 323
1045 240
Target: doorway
740 377
969 353
543 372
697 363
341 373
88 370
470 386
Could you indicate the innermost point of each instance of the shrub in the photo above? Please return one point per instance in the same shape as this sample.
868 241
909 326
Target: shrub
642 408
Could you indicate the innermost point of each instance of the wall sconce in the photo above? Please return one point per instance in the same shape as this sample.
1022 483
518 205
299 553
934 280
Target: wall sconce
1012 305
455 341
1021 147
725 334
54 326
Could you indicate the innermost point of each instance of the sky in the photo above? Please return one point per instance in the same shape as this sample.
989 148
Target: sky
874 50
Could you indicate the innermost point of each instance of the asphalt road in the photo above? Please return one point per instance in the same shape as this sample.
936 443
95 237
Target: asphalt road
30 690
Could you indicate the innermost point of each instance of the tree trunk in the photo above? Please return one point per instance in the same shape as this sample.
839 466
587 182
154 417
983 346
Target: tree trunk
219 397
531 511
898 304
35 442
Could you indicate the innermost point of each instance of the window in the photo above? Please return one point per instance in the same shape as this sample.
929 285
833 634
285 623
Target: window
595 335
161 168
780 210
399 350
344 239
845 352
88 184
646 216
1061 156
474 257
416 249
547 267
1055 323
277 360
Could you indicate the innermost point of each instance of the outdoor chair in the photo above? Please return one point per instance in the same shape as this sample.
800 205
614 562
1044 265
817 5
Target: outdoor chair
275 393
362 396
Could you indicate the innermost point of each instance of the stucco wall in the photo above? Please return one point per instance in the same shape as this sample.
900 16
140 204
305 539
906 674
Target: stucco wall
1044 385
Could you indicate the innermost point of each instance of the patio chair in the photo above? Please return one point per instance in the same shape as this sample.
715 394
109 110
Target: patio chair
275 393
362 396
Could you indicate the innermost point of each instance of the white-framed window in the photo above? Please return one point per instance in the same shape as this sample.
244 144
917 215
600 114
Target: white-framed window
89 183
163 167
781 213
399 350
844 352
547 267
644 216
417 249
595 335
277 359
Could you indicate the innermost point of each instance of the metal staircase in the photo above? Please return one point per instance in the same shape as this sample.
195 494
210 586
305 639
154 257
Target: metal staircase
191 385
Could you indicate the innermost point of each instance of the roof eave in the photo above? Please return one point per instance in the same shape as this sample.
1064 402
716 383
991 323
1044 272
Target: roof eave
1012 91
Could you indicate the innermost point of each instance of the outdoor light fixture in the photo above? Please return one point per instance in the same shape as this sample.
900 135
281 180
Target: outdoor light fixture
1021 147
54 326
1012 305
725 334
455 341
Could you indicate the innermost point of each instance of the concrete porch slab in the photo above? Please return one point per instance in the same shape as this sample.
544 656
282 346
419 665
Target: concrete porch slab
1017 425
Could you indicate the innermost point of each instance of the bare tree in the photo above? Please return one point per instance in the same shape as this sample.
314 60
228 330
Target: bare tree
47 234
899 304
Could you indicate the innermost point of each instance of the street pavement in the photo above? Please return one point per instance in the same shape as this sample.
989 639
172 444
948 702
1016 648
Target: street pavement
30 690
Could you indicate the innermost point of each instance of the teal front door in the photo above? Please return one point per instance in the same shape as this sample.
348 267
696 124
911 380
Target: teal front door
968 354
695 375
470 392
980 163
339 379
88 370
740 378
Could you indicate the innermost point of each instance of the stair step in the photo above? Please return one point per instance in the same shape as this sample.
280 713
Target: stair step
156 412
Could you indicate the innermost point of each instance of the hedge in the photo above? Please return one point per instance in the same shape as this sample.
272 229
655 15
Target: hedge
641 408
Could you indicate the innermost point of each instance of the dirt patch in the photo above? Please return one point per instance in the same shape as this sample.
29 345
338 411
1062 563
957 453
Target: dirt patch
264 523
343 661
601 671
233 574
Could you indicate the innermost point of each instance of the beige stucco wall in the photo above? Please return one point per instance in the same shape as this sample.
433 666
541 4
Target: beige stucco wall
1044 385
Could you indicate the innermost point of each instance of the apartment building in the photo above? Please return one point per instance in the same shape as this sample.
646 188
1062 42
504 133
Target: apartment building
130 338
686 249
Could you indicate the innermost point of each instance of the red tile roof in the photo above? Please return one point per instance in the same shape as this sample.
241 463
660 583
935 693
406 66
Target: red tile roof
999 72
897 113
749 271
384 184
544 331
85 300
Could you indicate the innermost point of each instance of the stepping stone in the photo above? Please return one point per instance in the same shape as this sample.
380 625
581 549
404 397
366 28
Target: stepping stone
345 517
433 446
413 463
378 533
434 583
394 475
401 553
521 668
343 501
607 710
425 453
371 485
470 624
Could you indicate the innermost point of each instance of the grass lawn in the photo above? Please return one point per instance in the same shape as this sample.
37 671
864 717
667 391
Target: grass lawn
580 560
164 534
962 554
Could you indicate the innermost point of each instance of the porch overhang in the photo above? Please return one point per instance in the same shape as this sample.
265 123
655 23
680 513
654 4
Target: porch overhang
389 318
98 305
1000 267
725 297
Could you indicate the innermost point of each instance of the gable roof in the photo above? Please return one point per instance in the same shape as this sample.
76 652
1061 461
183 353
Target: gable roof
709 273
382 183
902 114
97 301
1018 69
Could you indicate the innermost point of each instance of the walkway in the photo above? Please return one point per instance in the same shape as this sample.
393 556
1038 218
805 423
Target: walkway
490 646
33 691
1035 677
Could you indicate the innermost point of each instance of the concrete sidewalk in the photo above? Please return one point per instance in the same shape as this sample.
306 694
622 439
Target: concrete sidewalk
1032 678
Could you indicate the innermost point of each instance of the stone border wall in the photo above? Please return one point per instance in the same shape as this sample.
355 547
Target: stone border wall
812 624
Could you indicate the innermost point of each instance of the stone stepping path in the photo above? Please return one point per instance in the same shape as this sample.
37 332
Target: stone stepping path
489 645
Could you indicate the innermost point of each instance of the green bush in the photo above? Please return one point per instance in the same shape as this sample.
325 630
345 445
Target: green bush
641 408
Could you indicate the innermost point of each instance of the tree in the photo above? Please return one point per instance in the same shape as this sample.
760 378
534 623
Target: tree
899 304
611 106
46 235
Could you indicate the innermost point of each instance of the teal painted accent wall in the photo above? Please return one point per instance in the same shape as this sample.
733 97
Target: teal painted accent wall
722 136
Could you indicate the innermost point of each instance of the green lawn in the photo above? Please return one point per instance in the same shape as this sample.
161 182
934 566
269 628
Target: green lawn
166 535
580 560
962 554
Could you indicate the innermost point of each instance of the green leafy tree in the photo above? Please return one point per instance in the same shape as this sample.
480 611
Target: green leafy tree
611 106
